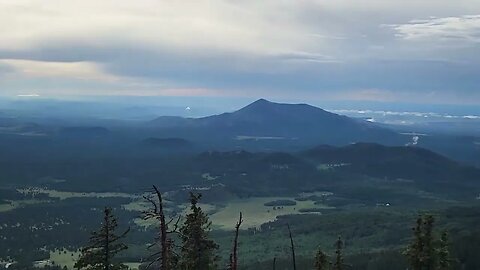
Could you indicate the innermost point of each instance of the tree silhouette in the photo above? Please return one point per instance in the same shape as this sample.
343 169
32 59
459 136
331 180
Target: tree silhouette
104 244
234 255
321 260
338 264
197 250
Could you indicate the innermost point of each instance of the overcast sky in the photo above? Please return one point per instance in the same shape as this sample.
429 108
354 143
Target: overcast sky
377 50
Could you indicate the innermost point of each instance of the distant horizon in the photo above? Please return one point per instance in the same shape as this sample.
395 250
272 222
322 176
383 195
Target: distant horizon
228 104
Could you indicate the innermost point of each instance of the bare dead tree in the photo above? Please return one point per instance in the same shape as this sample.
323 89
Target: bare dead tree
234 254
165 255
274 262
292 246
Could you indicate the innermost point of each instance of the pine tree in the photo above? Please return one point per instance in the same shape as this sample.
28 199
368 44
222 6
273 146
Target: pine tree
197 250
421 253
415 250
428 243
321 260
104 244
444 259
338 265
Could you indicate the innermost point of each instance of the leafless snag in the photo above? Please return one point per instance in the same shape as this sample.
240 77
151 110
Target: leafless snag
234 254
164 256
274 262
292 246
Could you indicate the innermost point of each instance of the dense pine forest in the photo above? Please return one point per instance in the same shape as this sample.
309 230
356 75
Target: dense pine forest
186 243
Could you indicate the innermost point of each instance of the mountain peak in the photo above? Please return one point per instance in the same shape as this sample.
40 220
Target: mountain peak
257 106
260 102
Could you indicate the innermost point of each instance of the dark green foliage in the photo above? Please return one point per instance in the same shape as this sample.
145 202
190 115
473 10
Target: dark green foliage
321 260
197 250
425 252
444 257
428 242
338 264
415 251
421 253
104 245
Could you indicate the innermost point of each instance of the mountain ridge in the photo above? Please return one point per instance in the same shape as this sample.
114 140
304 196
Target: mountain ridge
267 119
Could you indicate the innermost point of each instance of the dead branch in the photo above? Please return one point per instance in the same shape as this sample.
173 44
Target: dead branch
234 255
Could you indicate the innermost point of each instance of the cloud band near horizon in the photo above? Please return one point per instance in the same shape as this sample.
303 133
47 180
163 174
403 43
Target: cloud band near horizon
376 50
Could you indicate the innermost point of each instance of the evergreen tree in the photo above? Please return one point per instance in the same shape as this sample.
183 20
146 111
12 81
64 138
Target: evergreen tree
428 242
338 265
421 253
104 244
197 250
444 260
321 260
415 251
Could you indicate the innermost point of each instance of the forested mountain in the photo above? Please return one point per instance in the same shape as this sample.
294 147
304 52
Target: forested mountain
265 120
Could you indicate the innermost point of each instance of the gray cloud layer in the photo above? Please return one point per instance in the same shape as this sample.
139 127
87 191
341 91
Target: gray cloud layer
408 50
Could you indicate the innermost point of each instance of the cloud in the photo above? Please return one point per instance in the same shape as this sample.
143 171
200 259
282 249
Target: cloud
455 29
72 70
177 25
309 48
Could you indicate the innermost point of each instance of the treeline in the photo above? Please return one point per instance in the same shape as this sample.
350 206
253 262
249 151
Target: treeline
185 244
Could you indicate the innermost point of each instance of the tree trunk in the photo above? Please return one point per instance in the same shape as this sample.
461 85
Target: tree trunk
107 240
234 256
292 246
163 231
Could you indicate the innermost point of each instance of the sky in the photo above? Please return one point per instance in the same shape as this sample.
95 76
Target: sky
405 51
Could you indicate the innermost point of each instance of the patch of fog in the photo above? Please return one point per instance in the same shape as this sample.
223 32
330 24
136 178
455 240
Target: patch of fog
406 113
471 117
414 141
414 134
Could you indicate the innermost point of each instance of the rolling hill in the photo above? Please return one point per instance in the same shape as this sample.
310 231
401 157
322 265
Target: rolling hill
399 162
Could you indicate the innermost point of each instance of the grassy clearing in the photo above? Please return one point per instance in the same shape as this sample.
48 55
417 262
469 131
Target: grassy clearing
225 216
62 195
133 265
255 213
63 257
18 204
